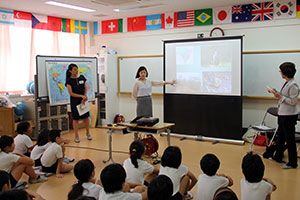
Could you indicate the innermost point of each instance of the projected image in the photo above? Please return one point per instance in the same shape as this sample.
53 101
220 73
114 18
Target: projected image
206 67
217 82
185 55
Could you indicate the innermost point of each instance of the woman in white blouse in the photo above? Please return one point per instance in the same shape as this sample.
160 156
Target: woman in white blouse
142 91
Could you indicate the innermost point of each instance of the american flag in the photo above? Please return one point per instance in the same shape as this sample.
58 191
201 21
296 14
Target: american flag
262 11
184 18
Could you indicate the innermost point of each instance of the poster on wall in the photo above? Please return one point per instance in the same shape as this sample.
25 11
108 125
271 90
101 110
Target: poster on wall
56 79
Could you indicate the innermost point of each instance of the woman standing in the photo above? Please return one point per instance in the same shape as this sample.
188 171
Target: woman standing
142 91
77 89
287 115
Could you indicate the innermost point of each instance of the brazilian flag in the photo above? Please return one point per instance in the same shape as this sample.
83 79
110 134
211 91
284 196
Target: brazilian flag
203 17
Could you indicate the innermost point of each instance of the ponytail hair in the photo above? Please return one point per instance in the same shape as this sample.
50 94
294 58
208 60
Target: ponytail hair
5 141
83 171
68 73
136 150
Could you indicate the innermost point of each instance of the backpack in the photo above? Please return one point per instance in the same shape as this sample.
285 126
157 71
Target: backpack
119 119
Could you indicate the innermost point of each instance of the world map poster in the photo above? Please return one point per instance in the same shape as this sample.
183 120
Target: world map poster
56 79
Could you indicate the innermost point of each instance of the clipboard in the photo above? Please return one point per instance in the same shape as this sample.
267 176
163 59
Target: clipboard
83 108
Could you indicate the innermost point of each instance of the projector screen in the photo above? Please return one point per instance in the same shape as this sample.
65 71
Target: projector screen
206 67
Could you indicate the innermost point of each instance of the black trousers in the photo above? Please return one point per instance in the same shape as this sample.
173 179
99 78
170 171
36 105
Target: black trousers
286 133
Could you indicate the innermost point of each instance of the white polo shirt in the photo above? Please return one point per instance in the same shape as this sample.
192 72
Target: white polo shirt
22 143
51 155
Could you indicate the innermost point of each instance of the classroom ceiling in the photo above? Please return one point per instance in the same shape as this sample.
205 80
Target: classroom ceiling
105 8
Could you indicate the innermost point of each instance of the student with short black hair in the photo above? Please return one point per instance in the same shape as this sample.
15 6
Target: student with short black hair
183 180
113 179
15 195
254 186
5 186
136 168
225 193
84 171
209 182
4 181
16 164
23 143
52 158
160 188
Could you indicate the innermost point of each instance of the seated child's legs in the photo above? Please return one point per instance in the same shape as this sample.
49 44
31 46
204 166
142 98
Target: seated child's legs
51 169
150 177
66 168
184 185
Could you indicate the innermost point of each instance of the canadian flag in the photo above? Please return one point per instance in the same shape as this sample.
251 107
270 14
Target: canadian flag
167 20
222 15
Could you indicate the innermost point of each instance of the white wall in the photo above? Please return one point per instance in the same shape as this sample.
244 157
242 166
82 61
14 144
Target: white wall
258 36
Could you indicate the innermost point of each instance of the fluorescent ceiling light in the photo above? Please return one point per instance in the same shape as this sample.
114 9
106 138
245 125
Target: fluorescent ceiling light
54 3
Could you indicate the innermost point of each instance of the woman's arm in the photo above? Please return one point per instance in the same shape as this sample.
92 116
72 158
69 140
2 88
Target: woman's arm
74 94
134 91
161 83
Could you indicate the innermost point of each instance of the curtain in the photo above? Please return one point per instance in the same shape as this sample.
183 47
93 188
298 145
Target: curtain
18 49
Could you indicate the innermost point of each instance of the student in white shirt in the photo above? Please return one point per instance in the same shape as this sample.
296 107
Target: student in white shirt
86 185
142 91
254 186
160 188
209 182
52 158
136 168
183 180
40 147
23 142
113 180
16 164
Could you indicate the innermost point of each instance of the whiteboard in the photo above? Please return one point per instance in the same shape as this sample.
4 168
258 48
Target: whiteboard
262 68
41 71
128 66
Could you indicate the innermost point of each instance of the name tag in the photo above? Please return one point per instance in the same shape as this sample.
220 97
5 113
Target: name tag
81 82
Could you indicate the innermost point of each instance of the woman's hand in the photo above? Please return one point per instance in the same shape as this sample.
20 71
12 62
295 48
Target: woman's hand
173 82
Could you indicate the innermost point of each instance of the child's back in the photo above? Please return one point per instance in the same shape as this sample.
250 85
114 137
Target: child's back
209 182
135 166
253 186
112 178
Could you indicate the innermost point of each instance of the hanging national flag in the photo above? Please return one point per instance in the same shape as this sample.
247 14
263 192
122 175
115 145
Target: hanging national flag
203 17
124 25
153 22
222 15
242 13
22 19
136 23
284 9
298 8
112 26
80 27
168 20
184 18
262 11
6 16
97 28
66 25
46 22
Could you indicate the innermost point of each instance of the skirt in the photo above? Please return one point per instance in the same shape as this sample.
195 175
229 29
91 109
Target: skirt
144 107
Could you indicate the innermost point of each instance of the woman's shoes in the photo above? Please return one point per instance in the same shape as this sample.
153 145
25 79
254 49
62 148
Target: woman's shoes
76 140
89 137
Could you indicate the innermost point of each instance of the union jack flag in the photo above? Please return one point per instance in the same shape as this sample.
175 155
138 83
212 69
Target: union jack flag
237 9
262 11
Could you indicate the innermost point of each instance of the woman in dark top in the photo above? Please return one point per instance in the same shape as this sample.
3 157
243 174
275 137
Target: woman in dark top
77 89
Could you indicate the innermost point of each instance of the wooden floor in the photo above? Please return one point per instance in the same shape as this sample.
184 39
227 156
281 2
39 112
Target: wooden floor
230 157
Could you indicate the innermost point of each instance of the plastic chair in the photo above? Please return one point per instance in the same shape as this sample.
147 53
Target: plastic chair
263 128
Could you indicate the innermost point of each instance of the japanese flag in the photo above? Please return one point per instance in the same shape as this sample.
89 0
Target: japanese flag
168 20
222 15
284 9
